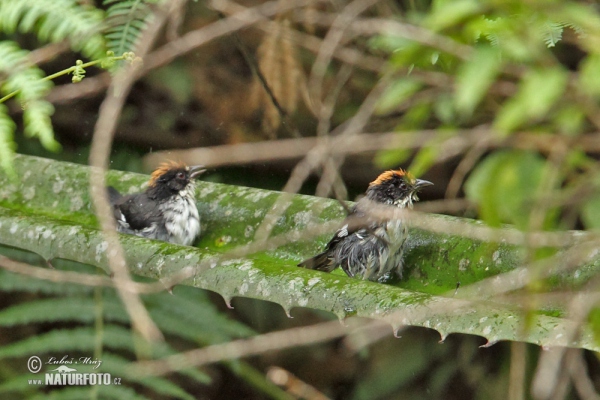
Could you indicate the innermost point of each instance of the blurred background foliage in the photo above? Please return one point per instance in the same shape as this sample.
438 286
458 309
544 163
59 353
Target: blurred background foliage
519 78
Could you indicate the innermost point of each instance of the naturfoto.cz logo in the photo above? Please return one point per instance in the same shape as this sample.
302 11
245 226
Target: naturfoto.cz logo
64 375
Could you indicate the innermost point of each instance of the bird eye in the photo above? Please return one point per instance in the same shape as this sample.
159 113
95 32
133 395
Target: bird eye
180 175
402 185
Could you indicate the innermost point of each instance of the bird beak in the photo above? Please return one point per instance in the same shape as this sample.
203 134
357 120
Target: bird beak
196 171
421 183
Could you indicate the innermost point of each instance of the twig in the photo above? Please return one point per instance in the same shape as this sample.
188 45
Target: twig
253 65
197 38
332 40
580 376
293 385
54 275
109 114
381 26
285 149
465 166
246 347
48 52
316 157
517 373
88 87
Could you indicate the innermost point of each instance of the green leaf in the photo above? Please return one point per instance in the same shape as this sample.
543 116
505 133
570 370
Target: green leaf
590 212
424 159
60 309
538 91
36 118
396 94
594 321
7 145
504 186
581 17
570 119
444 109
474 78
551 32
388 43
117 367
65 340
126 20
53 228
449 13
108 392
28 82
56 21
389 158
589 78
416 116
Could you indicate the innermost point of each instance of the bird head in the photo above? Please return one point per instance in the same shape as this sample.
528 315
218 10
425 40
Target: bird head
396 187
173 177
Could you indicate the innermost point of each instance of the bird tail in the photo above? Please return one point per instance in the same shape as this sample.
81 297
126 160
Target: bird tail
320 262
113 194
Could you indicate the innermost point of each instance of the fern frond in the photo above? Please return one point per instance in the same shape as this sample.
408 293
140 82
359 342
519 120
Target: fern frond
38 124
116 366
126 19
552 32
36 116
27 80
7 145
182 316
69 340
70 309
55 21
10 282
110 392
19 384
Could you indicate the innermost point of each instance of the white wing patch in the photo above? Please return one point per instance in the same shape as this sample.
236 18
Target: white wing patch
343 231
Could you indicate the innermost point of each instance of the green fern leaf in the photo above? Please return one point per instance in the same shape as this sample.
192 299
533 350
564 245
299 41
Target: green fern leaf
126 19
199 324
109 392
27 80
7 145
116 366
552 32
38 124
61 309
55 21
20 384
68 340
10 282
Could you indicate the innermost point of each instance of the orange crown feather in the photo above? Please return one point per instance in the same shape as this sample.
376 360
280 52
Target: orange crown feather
163 168
387 175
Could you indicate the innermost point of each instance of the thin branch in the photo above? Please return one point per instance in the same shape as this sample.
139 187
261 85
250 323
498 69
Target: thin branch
389 27
580 375
288 338
293 385
48 52
465 166
110 111
517 373
222 27
254 67
54 275
288 149
337 32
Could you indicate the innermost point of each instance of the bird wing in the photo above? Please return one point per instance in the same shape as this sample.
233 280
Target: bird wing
352 225
325 261
137 210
